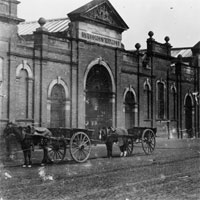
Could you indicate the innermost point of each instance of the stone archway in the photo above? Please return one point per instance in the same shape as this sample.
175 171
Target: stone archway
99 98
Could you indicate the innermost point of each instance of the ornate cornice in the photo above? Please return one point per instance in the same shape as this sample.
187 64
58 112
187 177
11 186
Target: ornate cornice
10 19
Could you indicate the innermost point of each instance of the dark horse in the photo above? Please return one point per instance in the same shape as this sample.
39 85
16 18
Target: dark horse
27 139
110 136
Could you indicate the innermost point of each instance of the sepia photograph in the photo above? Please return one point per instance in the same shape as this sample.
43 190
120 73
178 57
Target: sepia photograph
99 100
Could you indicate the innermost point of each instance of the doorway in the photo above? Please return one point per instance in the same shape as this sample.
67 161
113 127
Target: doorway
99 106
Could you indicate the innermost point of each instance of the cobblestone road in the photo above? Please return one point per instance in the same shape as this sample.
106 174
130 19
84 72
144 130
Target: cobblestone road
172 172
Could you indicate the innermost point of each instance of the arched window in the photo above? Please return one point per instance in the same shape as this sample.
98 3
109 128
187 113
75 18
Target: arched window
1 77
1 70
147 90
57 106
130 110
189 115
160 100
22 94
174 104
1 88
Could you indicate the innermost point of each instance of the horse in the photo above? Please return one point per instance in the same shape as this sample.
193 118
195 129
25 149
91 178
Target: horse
110 136
27 139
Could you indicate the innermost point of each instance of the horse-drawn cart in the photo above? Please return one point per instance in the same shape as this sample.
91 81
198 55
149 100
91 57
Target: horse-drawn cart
55 141
127 138
144 135
78 141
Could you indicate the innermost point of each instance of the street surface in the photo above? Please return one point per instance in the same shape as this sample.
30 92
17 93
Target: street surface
171 172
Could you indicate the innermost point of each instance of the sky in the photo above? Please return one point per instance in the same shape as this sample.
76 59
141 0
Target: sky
178 19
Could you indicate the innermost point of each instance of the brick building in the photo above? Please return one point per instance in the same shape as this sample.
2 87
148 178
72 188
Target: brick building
75 72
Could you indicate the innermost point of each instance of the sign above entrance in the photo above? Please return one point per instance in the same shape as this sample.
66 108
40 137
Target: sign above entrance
99 39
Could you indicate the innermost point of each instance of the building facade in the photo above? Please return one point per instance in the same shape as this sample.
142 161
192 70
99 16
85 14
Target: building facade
75 72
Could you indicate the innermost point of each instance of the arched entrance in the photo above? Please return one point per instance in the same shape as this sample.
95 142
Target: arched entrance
57 112
99 95
130 110
188 115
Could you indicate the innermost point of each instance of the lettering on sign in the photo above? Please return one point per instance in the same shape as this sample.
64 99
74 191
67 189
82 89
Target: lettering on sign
100 39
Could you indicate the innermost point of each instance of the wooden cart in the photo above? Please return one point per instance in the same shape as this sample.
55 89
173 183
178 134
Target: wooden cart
144 135
78 141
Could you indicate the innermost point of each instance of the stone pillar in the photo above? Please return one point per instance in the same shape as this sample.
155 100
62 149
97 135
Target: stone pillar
150 48
40 55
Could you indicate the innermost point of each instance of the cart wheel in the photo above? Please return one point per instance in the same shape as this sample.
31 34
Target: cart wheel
130 146
56 150
148 141
80 147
